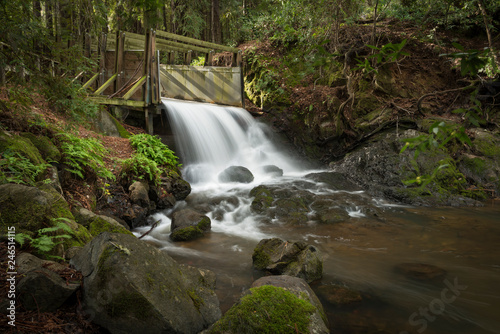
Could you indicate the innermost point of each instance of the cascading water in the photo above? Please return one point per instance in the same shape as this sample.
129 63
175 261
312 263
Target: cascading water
361 238
210 138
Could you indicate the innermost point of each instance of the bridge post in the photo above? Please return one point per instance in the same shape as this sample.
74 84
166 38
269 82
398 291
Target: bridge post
119 59
102 59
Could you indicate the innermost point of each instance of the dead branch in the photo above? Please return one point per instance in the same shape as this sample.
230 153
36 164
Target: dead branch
152 227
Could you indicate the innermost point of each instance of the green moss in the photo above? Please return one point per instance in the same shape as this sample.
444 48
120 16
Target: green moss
260 258
99 225
186 233
267 309
81 236
204 224
121 130
45 146
197 301
130 303
263 198
21 145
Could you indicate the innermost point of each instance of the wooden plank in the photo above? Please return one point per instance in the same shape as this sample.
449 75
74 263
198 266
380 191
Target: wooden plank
102 58
188 57
119 59
91 81
184 47
105 85
146 89
135 88
117 101
237 59
195 41
209 58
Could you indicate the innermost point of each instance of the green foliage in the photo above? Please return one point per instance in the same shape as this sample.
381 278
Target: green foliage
140 167
84 154
152 148
440 134
200 61
267 310
47 238
15 168
386 54
473 62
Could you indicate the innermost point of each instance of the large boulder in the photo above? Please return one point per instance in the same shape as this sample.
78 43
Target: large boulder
132 287
188 224
41 288
281 257
238 174
276 304
30 209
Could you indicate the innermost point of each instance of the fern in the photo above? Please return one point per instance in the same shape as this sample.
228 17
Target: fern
14 168
152 148
84 152
140 167
44 242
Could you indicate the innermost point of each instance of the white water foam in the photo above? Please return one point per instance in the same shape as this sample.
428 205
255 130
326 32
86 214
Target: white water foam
210 138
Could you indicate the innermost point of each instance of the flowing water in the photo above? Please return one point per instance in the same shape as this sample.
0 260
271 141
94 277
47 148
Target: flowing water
360 252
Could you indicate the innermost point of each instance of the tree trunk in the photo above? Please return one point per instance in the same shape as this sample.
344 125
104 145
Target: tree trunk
216 31
488 32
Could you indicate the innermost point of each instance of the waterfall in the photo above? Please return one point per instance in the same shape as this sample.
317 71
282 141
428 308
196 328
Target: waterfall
209 138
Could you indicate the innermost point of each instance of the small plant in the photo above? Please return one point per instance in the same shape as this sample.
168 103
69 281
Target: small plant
200 61
47 238
140 167
386 54
79 153
473 61
14 168
152 147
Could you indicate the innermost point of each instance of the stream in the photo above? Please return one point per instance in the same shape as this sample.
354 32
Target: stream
363 240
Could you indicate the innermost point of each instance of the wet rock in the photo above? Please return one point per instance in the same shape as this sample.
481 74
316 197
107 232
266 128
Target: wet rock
338 295
238 174
420 271
136 216
381 169
277 304
290 210
281 257
139 194
181 189
327 212
163 199
263 199
272 170
40 287
188 225
133 287
335 181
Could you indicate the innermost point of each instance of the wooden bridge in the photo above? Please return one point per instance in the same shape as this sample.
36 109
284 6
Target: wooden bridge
135 71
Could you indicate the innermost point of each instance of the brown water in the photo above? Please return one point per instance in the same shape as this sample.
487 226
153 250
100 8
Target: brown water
361 253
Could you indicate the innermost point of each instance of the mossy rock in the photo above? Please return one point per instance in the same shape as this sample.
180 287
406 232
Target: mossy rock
99 224
487 143
30 209
45 146
267 310
295 259
188 225
263 199
20 145
81 236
